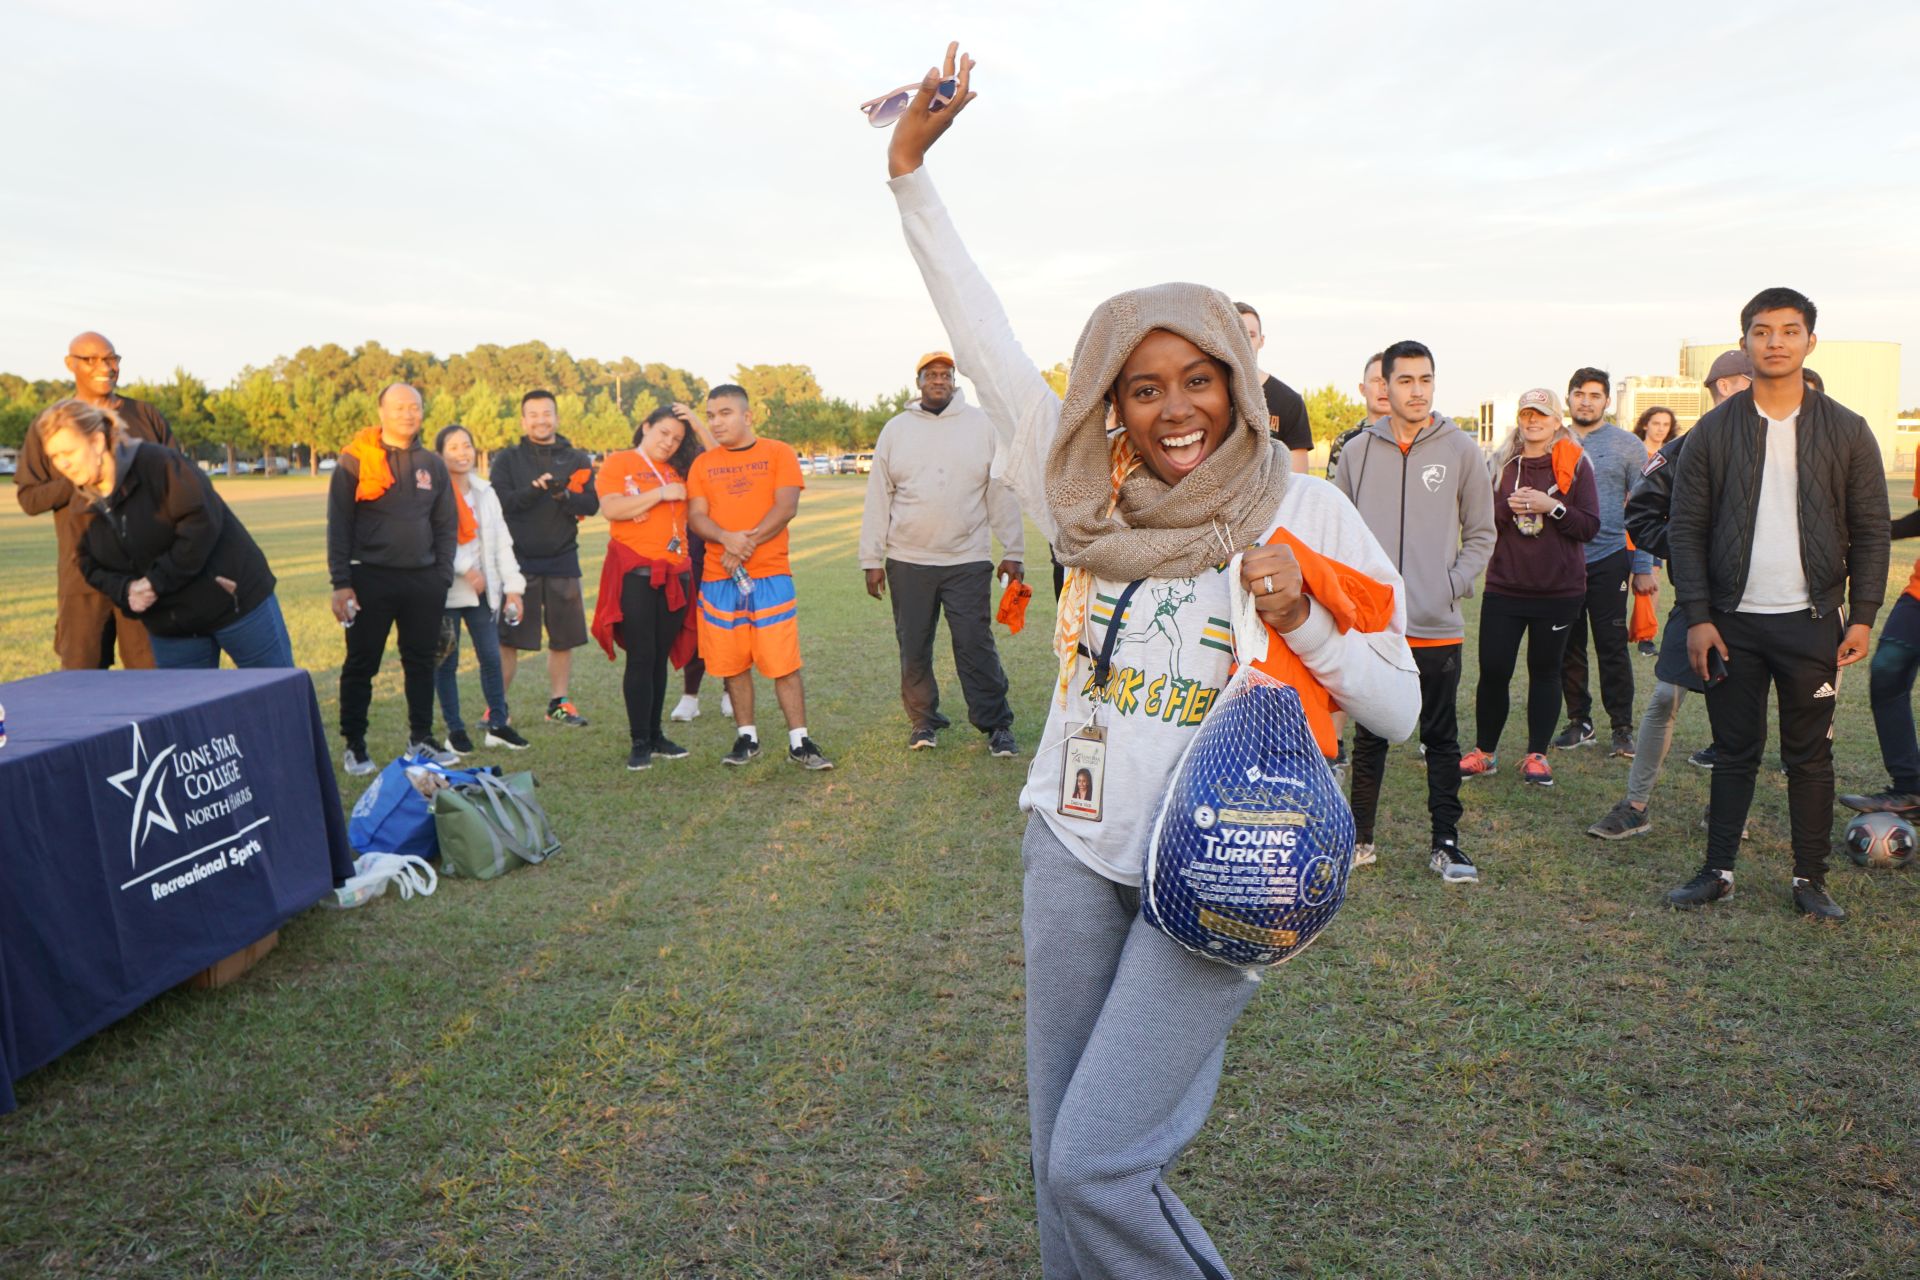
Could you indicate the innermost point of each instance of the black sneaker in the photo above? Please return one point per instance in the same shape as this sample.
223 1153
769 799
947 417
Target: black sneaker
1578 733
1810 897
744 749
560 711
809 756
1001 742
1705 757
1888 801
1708 886
355 759
1453 866
1648 649
668 749
922 740
1622 745
459 741
641 757
504 735
434 750
1622 822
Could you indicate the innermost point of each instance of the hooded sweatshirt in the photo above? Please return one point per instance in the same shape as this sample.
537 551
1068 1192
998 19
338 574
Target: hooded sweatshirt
1170 657
930 499
1432 509
545 522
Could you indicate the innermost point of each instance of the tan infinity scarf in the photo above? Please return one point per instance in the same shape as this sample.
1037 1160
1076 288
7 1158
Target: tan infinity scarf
1116 519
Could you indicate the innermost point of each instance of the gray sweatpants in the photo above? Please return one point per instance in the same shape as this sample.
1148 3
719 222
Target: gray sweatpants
1126 1032
1656 737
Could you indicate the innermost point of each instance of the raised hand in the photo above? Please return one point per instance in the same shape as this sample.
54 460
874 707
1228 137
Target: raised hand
921 126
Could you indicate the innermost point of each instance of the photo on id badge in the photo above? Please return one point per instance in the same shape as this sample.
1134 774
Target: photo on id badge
1083 780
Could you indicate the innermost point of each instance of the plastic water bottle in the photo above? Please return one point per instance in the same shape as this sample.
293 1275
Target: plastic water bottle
742 581
3 726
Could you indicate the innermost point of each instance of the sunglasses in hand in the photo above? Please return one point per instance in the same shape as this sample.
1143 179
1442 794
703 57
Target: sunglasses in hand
888 107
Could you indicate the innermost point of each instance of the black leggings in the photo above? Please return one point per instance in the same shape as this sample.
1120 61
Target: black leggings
647 628
1546 625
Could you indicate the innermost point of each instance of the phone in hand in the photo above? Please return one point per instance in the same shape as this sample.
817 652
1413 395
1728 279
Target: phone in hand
1716 668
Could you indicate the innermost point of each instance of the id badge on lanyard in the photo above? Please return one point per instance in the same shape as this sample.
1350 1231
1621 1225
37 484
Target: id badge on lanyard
673 543
1083 773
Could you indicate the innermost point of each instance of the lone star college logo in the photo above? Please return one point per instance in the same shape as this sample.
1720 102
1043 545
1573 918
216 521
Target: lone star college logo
1434 476
149 797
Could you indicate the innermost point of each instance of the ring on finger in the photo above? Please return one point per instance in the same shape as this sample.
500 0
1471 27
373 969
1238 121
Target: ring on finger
1269 579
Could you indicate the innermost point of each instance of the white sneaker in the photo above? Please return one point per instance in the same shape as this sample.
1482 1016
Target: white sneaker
1363 854
726 705
686 710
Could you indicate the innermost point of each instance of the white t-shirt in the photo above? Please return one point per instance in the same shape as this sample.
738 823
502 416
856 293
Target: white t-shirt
1776 579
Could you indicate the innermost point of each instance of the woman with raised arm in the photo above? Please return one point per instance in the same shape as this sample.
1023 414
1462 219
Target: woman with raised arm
1155 471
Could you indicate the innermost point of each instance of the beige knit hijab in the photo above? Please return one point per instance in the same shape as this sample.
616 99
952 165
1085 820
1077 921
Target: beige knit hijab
1157 530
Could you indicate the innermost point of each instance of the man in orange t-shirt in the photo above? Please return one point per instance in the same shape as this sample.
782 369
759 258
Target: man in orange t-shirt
740 498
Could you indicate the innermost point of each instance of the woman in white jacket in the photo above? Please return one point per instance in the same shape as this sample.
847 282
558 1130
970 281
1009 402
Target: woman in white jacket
485 575
1153 473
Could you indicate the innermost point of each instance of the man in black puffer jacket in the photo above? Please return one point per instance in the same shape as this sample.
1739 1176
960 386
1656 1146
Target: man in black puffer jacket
546 489
1779 518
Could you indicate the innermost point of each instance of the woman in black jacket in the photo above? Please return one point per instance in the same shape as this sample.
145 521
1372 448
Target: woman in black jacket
164 547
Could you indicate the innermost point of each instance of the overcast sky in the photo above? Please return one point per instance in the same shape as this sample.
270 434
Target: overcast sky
1525 187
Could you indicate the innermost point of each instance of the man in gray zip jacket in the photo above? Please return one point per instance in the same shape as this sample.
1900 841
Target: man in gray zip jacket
1421 485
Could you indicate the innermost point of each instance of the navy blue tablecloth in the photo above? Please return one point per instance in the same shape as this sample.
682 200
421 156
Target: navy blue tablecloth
151 823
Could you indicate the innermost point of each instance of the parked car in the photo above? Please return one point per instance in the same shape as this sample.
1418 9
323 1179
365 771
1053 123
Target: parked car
863 463
806 465
328 464
822 464
9 462
845 465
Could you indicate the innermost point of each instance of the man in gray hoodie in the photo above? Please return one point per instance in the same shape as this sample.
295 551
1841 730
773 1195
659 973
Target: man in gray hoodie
931 506
1421 484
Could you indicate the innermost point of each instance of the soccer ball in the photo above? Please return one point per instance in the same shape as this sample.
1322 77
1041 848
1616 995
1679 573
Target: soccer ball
1884 840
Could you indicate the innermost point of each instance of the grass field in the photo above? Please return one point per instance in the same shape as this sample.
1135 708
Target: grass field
766 1023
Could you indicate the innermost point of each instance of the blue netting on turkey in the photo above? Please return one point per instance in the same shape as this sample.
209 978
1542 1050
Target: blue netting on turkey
1254 841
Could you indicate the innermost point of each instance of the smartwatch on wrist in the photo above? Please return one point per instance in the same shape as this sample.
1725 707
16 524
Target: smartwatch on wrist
1559 509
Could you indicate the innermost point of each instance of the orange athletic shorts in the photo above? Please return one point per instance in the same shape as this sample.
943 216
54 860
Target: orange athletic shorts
760 629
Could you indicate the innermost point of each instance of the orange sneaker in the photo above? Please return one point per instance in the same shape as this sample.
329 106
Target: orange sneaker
1536 771
1478 764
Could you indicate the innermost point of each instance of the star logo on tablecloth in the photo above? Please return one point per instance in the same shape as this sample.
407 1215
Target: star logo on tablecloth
149 799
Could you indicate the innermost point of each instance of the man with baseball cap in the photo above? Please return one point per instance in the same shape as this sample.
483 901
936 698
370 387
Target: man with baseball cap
1646 517
932 509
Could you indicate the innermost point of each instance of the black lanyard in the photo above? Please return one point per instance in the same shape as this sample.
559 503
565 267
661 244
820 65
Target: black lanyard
1103 664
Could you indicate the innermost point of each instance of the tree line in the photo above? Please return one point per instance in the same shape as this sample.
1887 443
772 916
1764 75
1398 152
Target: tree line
307 406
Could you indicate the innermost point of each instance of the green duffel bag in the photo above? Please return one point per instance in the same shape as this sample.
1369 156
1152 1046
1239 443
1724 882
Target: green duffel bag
488 827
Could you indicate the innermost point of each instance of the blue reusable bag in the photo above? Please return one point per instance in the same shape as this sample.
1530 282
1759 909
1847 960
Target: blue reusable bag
392 817
1254 841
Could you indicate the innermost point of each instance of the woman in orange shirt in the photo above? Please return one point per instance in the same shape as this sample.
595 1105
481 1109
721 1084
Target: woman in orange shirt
644 498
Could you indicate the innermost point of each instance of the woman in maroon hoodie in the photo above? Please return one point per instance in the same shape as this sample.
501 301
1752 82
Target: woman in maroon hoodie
1545 506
